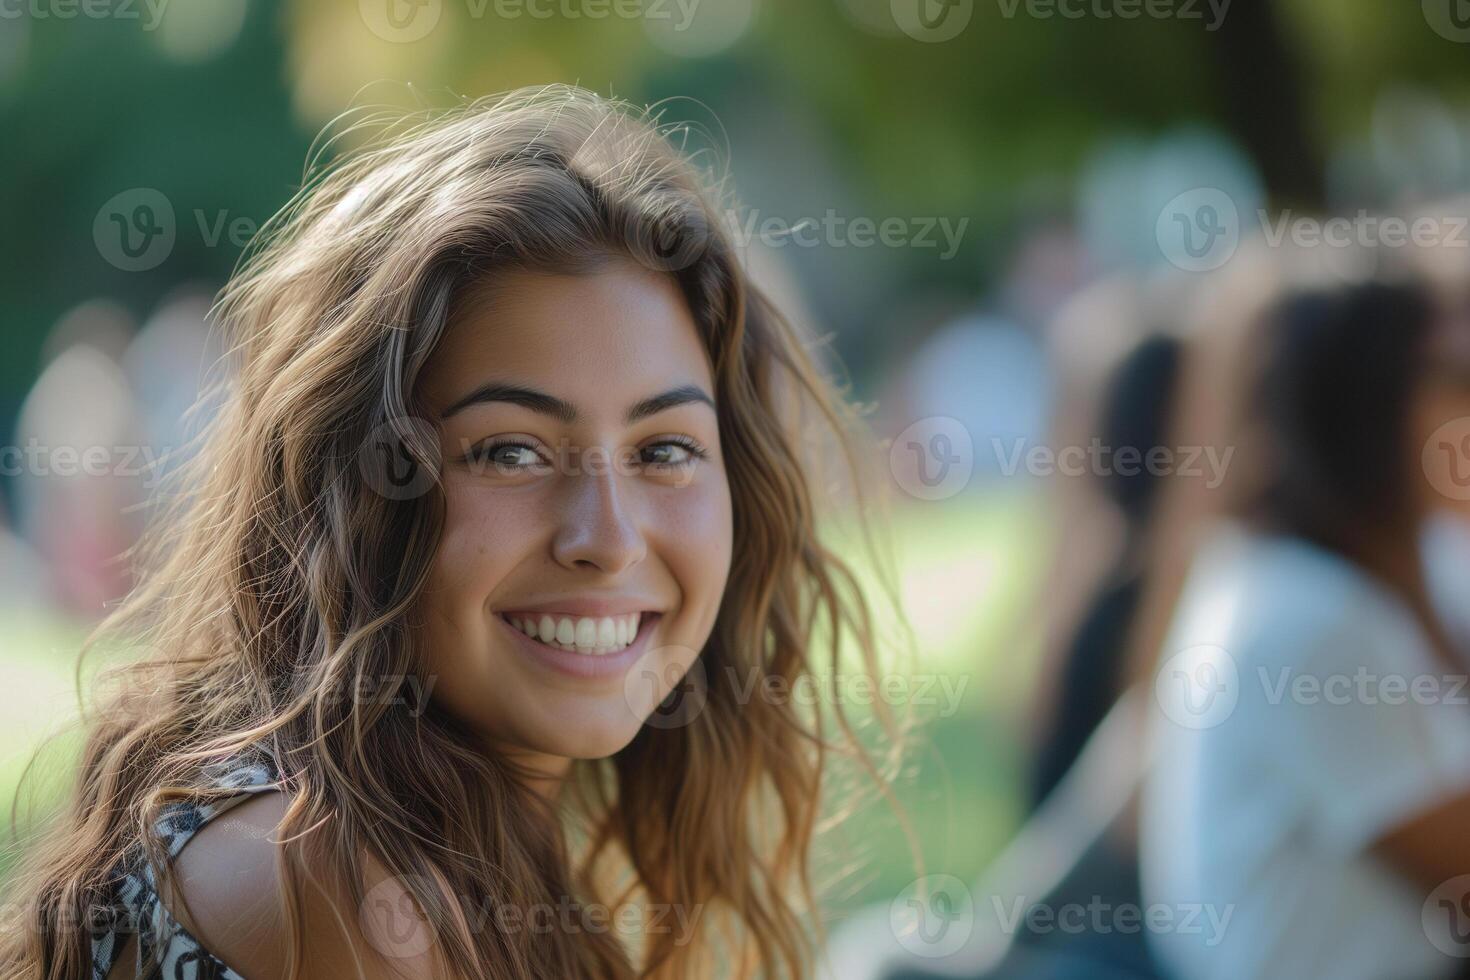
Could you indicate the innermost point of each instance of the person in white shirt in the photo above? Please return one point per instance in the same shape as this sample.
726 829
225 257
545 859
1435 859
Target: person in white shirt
1310 727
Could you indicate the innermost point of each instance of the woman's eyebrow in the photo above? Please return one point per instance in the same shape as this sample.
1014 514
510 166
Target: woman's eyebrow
682 395
564 411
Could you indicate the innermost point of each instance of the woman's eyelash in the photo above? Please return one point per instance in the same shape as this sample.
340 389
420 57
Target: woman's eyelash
483 454
694 449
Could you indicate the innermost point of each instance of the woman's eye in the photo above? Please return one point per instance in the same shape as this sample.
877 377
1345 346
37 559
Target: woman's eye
673 453
521 457
504 456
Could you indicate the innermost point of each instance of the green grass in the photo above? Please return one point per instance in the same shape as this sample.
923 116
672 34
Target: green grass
967 571
38 661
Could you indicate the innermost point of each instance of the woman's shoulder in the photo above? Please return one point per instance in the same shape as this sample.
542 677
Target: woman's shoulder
228 879
143 927
225 878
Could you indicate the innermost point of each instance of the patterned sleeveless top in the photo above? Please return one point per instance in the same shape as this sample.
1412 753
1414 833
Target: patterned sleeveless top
162 943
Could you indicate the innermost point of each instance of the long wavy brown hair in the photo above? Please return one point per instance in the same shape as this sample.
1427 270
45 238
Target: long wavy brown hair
274 581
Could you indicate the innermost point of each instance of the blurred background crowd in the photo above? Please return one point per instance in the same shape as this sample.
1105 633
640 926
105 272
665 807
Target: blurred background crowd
1116 277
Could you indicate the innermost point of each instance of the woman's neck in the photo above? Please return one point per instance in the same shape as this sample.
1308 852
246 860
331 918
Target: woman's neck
542 774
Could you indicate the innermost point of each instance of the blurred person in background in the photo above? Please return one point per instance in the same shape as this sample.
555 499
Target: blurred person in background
79 461
1088 664
1116 351
1446 537
1311 782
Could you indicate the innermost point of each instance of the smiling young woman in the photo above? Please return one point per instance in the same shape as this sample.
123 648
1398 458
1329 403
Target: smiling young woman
505 426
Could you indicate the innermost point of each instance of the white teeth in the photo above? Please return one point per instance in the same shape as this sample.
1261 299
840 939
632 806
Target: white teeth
586 633
592 636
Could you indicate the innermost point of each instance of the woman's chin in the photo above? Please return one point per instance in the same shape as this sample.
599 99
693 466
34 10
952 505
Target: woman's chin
594 735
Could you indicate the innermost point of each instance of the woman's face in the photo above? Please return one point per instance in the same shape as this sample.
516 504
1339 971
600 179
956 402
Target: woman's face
586 500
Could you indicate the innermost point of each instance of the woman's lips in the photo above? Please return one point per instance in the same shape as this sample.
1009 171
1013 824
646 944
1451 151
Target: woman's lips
579 664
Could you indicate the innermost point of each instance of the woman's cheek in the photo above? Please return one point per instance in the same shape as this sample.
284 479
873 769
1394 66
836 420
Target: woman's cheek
696 523
485 535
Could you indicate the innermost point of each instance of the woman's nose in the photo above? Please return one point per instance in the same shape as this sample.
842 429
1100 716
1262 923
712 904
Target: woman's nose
597 525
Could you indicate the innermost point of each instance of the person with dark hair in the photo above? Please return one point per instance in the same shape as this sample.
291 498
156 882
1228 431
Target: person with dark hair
1312 777
1092 672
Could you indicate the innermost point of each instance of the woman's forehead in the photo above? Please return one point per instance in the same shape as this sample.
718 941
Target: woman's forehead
604 338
